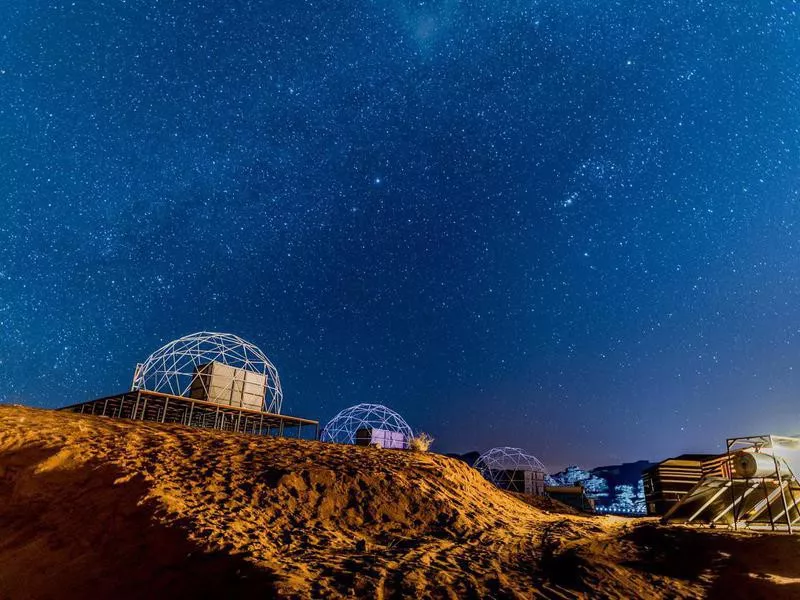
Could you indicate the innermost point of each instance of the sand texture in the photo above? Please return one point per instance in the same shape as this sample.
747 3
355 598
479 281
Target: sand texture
92 507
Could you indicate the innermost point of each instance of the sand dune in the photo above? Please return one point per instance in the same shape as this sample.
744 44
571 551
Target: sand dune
94 507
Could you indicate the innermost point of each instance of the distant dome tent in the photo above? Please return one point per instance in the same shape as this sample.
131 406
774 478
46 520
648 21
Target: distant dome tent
512 469
206 379
368 424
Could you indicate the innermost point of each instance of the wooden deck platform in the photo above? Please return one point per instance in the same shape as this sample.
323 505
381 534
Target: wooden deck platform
144 405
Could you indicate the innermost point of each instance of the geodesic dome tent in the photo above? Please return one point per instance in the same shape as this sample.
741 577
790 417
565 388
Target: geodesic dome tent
512 469
216 367
365 424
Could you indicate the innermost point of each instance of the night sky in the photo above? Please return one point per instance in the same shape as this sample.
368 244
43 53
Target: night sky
570 226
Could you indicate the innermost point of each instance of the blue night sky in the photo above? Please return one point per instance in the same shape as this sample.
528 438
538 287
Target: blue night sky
570 226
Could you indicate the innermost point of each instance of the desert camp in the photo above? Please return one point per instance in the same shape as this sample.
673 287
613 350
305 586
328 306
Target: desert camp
199 489
408 299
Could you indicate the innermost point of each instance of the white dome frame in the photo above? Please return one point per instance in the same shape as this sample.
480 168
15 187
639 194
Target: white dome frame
342 428
171 368
493 465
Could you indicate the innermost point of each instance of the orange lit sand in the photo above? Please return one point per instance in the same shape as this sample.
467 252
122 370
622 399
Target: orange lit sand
94 507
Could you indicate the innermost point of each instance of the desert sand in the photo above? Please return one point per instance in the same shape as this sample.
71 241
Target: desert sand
103 508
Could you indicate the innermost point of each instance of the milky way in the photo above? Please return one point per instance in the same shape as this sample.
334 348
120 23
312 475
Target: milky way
566 226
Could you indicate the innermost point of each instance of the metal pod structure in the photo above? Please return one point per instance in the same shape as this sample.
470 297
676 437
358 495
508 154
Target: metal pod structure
512 469
183 364
346 426
208 380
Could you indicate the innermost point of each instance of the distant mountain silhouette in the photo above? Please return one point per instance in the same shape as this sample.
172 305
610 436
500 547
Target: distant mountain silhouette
624 474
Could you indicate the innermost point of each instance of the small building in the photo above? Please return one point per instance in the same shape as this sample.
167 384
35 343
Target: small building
571 495
669 481
223 384
524 481
383 438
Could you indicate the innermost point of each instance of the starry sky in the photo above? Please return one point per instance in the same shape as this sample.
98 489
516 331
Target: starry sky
570 226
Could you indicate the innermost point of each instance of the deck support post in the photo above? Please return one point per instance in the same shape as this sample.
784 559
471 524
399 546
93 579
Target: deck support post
780 484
